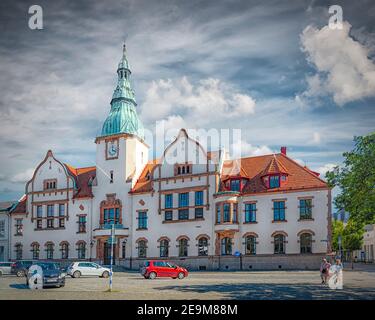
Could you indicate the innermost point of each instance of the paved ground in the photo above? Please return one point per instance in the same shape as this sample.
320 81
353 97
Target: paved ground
201 285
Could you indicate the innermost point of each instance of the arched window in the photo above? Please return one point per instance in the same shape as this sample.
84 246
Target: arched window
164 246
226 246
142 249
250 245
183 247
81 249
18 249
35 250
64 250
203 246
49 250
279 244
306 243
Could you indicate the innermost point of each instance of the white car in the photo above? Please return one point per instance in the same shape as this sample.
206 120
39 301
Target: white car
78 269
5 268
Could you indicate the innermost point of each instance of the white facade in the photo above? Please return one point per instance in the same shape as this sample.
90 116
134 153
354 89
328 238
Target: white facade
4 232
176 207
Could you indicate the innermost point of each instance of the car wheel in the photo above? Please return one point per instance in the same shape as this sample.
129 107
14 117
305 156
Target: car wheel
76 274
20 273
1 273
152 275
181 275
105 274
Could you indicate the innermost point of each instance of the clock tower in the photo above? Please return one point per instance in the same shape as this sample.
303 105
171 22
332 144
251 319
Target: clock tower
121 152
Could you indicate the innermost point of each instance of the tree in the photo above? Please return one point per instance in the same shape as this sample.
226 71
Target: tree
337 230
356 181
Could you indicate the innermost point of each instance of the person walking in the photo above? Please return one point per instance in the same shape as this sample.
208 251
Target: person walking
324 270
335 280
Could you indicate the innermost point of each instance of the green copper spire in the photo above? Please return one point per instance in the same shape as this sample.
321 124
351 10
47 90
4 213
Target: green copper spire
123 116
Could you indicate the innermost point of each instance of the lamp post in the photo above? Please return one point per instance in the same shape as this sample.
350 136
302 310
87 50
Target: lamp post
112 242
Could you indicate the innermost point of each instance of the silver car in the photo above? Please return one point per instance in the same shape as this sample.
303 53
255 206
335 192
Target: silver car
5 268
78 269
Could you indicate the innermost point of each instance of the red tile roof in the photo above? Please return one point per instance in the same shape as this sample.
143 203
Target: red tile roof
21 205
254 168
83 177
274 167
144 183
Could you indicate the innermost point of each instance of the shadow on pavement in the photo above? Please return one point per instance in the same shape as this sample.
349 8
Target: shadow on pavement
19 286
278 292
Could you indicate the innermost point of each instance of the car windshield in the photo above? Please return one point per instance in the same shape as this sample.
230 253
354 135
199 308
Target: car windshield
170 265
49 266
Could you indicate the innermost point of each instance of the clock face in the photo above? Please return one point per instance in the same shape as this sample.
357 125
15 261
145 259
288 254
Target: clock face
112 149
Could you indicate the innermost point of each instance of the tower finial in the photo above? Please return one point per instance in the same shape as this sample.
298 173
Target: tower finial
124 48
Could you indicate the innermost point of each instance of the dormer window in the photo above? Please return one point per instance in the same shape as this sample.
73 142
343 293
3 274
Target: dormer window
274 182
235 185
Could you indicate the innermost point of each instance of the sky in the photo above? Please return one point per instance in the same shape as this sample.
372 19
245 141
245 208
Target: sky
273 69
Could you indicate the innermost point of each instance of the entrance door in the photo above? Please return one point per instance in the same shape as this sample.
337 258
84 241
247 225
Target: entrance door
107 253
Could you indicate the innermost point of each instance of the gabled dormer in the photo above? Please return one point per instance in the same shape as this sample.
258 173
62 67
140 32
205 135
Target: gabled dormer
275 175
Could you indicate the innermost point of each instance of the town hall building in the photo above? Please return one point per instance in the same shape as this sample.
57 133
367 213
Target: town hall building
260 212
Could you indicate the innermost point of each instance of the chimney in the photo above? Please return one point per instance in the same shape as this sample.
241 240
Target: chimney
283 150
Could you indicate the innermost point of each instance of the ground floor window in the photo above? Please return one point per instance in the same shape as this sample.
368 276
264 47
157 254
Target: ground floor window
49 250
142 249
18 251
164 248
226 246
183 247
306 243
64 250
250 245
35 250
203 246
81 250
279 244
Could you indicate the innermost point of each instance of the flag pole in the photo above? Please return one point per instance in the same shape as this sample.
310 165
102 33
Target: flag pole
112 241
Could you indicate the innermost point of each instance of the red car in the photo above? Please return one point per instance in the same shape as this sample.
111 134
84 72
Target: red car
155 268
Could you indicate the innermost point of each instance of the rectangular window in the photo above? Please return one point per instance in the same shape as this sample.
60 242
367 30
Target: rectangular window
234 218
305 209
39 211
82 224
61 223
250 212
50 223
19 227
61 210
39 223
183 199
198 213
2 228
279 210
112 216
169 201
168 215
218 213
50 210
235 185
183 214
199 198
142 220
274 182
226 212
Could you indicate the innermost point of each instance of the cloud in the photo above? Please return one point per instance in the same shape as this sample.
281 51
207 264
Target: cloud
204 102
324 169
246 149
344 70
23 176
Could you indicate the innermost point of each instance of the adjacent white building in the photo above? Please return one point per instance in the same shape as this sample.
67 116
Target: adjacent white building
198 208
5 208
